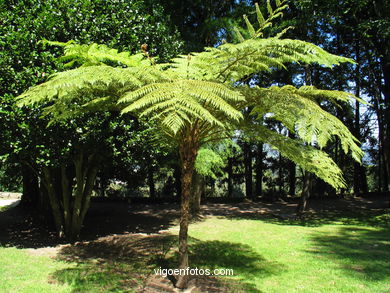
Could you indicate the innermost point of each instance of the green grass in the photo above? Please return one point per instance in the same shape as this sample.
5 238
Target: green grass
334 253
286 257
21 272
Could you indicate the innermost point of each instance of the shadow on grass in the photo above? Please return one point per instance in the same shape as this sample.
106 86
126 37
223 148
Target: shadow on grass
25 228
240 257
359 217
363 252
126 263
119 263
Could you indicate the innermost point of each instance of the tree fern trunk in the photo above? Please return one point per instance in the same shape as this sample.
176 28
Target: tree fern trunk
188 152
196 192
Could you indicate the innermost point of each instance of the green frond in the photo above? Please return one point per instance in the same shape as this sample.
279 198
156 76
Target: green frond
260 17
232 62
269 8
95 54
283 32
307 157
250 27
238 34
298 110
181 102
85 88
262 22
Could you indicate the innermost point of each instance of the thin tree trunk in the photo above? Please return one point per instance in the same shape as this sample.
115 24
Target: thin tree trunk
248 170
382 172
280 179
306 187
259 171
359 174
292 178
66 198
88 187
152 189
77 204
230 177
382 46
292 172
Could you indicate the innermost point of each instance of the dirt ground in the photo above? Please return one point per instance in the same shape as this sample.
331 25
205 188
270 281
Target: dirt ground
121 228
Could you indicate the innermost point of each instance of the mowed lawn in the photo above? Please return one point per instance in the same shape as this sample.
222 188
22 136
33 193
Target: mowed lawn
339 254
22 272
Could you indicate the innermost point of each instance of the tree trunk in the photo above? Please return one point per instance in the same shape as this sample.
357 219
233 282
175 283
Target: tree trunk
230 177
292 172
382 172
306 188
66 198
280 177
54 201
196 192
259 171
248 170
359 173
384 51
188 152
152 189
86 171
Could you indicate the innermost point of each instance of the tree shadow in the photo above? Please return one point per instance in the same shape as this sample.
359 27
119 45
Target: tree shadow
27 228
122 263
358 217
117 263
363 252
350 211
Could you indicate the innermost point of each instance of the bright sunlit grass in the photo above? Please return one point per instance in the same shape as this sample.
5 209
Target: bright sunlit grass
21 272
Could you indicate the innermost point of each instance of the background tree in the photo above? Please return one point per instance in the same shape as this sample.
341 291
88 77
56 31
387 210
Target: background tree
24 62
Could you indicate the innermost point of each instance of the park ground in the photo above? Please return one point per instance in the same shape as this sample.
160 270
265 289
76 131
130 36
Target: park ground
340 245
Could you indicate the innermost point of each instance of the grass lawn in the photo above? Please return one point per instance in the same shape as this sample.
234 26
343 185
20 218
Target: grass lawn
21 272
340 255
331 254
